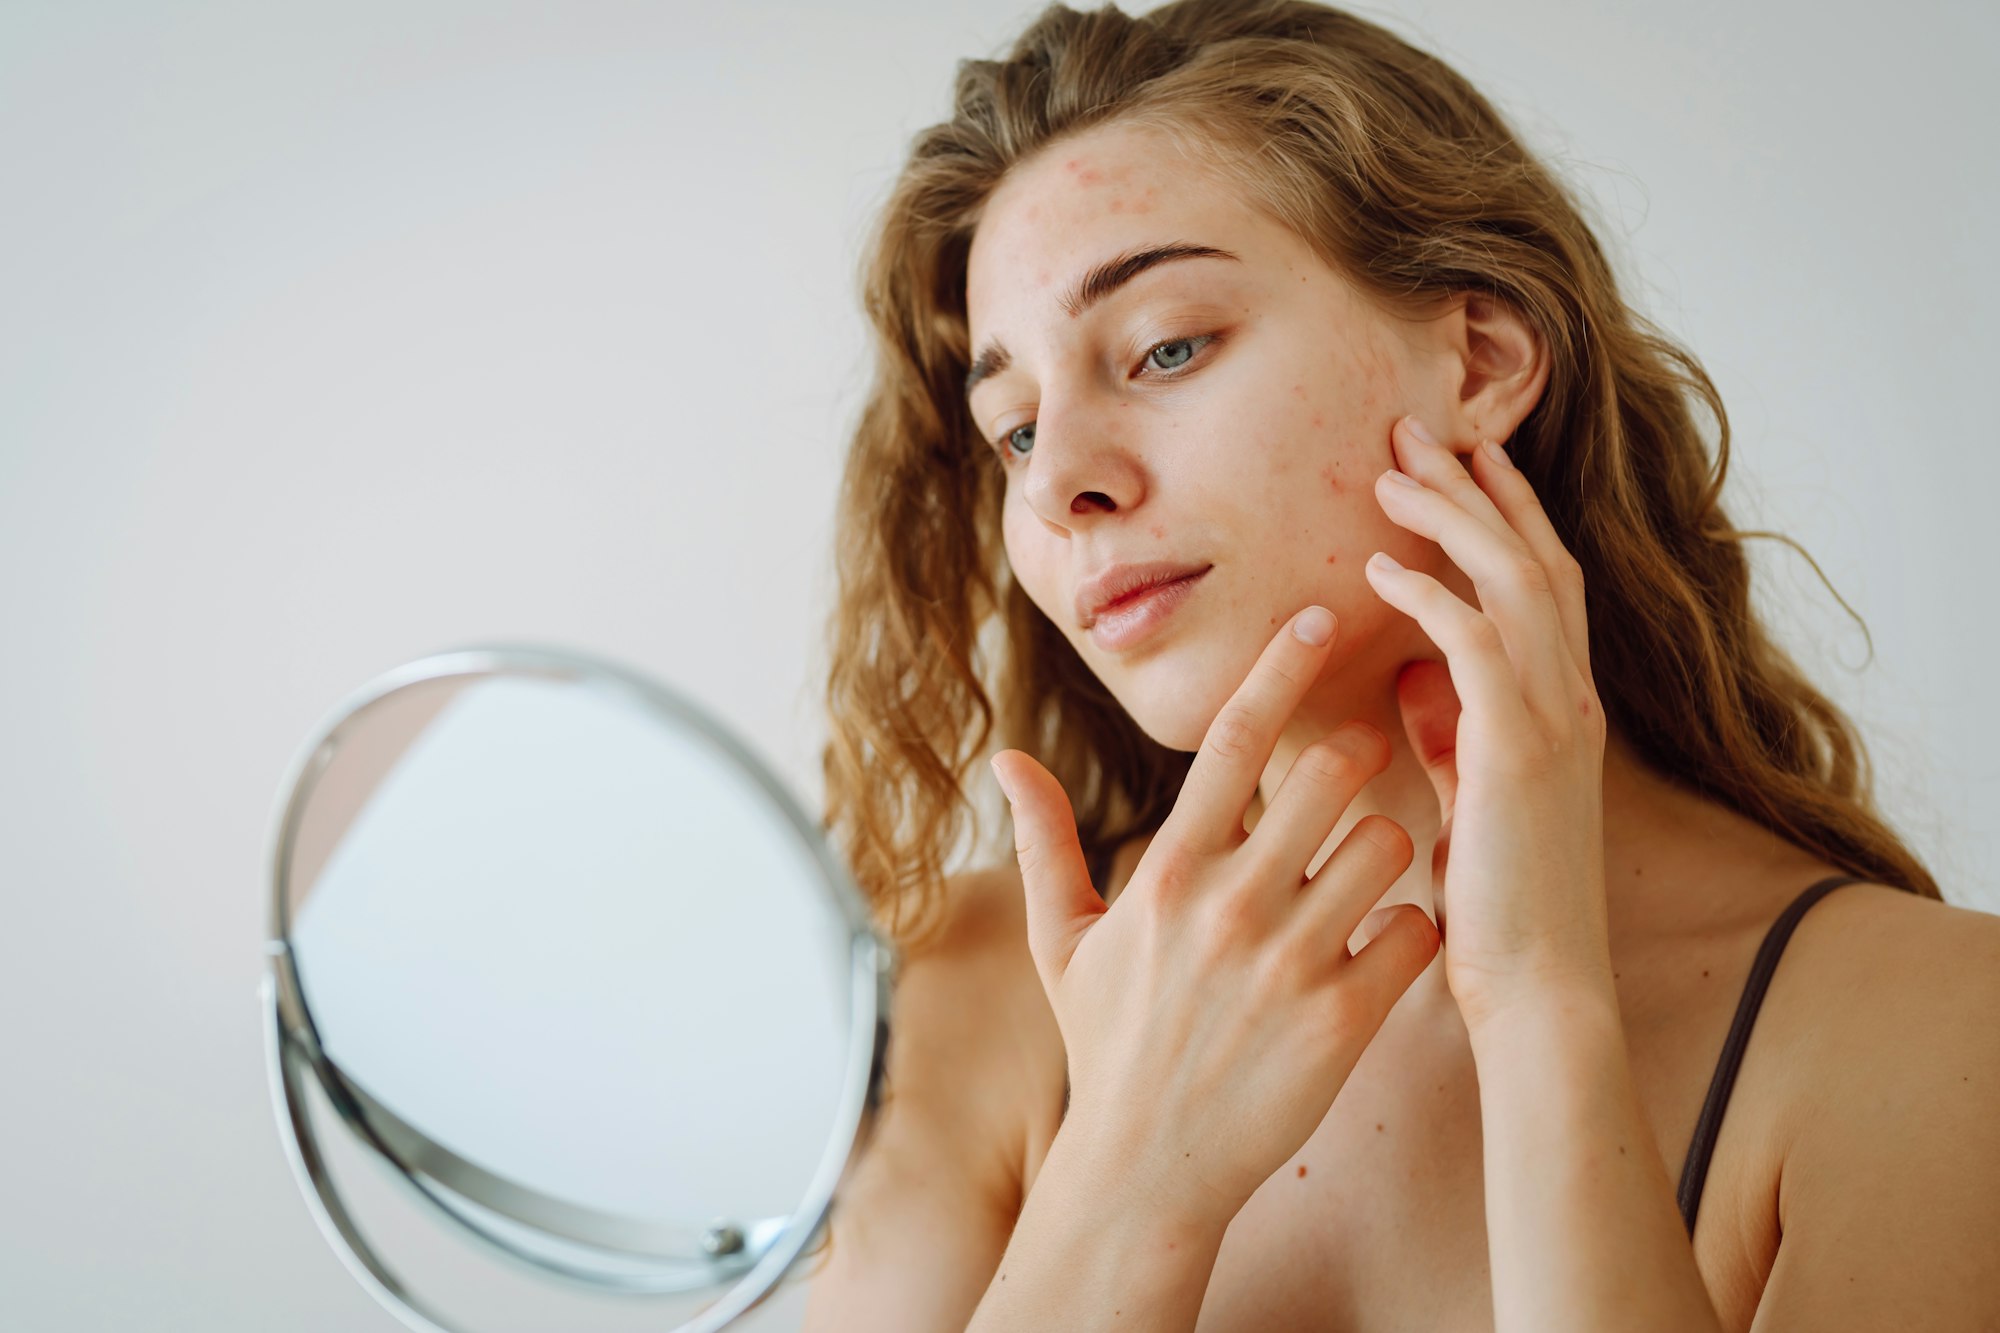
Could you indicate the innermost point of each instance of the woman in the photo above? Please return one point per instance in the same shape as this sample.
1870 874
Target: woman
1222 301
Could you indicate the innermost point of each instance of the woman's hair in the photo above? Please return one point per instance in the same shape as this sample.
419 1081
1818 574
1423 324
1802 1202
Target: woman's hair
1405 180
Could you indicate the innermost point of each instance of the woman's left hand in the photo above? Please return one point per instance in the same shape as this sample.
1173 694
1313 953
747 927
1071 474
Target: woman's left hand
1509 728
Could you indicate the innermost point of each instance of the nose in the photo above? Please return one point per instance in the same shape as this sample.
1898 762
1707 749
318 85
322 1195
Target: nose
1082 464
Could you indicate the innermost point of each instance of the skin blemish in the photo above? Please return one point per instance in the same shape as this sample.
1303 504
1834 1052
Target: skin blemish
1299 389
1332 559
1159 531
1584 708
1317 420
1302 1170
1378 1128
1704 971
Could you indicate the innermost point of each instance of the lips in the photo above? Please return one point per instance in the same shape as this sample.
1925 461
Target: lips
1105 590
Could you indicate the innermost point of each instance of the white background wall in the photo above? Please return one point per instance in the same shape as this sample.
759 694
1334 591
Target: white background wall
333 335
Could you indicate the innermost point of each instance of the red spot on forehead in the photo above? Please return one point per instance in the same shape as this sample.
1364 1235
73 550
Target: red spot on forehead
1332 559
1317 420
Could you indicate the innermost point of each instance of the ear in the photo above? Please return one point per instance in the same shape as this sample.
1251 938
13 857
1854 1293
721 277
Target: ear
1502 364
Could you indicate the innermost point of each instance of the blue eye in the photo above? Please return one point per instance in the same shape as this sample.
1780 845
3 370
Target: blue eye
1002 446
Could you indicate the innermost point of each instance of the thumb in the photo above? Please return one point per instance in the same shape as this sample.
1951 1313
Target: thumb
1061 902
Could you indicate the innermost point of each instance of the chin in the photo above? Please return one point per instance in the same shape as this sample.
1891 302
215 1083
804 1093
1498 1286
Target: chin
1172 699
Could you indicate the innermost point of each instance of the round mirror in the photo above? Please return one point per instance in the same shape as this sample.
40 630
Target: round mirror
573 1019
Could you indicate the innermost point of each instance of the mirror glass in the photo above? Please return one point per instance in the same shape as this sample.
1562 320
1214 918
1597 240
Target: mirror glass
563 960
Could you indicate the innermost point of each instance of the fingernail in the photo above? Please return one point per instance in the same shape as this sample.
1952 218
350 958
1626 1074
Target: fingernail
1374 923
1000 778
1314 625
1497 454
1401 478
1418 429
1383 560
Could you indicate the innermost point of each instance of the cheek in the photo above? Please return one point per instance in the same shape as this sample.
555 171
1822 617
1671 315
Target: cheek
1017 532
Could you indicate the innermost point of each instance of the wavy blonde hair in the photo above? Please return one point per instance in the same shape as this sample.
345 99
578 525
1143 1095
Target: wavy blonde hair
1407 182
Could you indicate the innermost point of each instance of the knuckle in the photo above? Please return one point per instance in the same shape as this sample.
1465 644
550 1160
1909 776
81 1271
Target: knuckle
1531 573
1231 921
1484 634
1275 971
1169 881
1388 837
1233 732
1330 762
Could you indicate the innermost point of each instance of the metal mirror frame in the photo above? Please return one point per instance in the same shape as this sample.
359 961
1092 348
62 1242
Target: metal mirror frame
755 1258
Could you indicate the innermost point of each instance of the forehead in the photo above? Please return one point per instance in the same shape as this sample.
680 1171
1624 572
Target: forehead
1084 199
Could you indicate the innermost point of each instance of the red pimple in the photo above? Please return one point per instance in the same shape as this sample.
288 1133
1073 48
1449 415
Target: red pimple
1330 559
1302 1170
1317 419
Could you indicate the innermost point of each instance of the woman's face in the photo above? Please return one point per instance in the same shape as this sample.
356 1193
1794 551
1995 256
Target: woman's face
1249 442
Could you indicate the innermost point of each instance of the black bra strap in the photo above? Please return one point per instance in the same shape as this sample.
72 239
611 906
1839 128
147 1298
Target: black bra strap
1694 1172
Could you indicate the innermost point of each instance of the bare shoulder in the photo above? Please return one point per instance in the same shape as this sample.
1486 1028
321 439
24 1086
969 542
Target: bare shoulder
969 1007
1885 1195
970 1030
1889 1001
1882 958
1877 977
922 1217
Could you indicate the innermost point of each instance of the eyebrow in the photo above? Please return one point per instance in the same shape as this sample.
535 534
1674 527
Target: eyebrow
1099 283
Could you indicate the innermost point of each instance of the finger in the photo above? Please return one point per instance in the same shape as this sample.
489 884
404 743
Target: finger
1481 672
1430 710
1514 496
1061 902
1441 469
1369 985
1322 782
1514 590
1502 498
1408 939
1367 862
1208 815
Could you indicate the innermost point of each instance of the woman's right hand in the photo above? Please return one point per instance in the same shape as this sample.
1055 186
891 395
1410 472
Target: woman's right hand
1211 1014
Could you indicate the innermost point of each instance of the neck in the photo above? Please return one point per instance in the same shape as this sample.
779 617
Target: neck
1667 852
